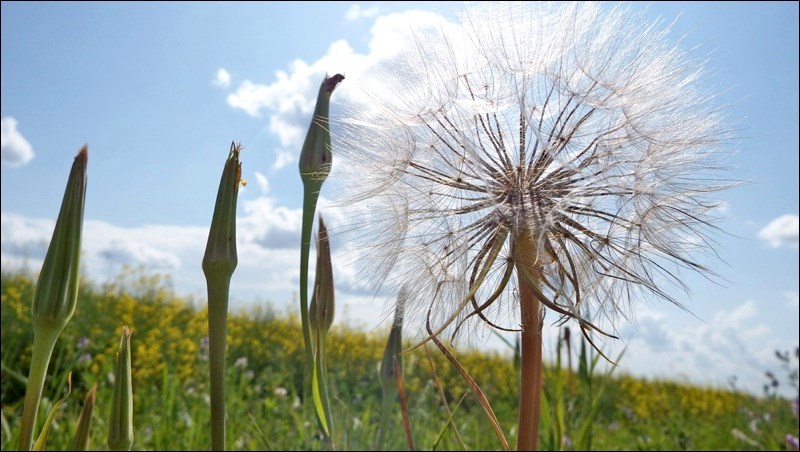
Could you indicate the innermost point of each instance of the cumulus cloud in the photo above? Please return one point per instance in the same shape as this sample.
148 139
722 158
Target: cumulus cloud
782 231
14 148
356 12
161 248
268 241
223 78
24 240
734 342
136 254
269 225
289 100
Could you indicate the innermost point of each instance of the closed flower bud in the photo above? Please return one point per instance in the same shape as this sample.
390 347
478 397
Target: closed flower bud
394 347
57 289
83 430
220 256
316 157
120 423
322 300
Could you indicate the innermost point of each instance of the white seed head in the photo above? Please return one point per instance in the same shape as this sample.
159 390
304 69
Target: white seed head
581 126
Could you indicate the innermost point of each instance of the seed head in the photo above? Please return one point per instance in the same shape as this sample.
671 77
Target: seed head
576 128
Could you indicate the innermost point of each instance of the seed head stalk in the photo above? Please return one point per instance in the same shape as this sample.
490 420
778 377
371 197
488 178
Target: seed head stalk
530 391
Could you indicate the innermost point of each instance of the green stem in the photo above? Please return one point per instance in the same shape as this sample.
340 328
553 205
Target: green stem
389 394
322 385
531 341
43 344
218 287
310 195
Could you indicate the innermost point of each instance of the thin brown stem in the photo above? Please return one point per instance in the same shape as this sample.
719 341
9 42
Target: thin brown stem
401 395
531 373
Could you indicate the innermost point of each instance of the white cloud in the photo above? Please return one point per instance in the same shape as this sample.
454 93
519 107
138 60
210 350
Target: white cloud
14 148
738 341
136 254
263 183
223 78
24 240
283 159
269 225
782 231
268 242
356 12
289 100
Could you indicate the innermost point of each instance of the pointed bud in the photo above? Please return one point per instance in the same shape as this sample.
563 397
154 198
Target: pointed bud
316 157
322 300
56 291
220 257
394 347
120 424
80 441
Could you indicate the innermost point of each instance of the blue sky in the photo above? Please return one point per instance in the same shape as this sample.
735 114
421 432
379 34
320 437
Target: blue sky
159 91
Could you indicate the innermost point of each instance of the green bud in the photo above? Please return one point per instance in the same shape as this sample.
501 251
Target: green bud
394 347
56 292
391 364
80 441
316 157
220 256
120 424
219 262
57 288
322 300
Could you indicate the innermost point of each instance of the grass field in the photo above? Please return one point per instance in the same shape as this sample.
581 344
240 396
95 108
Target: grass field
583 409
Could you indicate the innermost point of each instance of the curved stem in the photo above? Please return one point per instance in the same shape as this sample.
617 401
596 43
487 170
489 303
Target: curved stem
311 190
43 344
321 384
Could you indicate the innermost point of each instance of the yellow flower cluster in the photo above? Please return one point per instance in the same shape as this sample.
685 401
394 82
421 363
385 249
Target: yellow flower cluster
656 399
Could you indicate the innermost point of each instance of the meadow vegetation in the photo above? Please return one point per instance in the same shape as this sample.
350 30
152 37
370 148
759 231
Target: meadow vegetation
583 409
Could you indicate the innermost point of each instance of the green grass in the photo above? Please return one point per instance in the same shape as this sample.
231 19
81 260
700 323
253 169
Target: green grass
265 372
